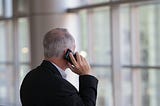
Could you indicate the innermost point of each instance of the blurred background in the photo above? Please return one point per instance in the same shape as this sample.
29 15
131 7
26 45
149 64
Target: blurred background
120 39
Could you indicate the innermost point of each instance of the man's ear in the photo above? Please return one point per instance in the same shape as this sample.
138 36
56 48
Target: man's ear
65 51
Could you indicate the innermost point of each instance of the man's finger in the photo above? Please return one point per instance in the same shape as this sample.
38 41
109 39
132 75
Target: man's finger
72 58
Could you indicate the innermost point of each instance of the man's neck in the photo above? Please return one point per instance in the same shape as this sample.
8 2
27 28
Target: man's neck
59 62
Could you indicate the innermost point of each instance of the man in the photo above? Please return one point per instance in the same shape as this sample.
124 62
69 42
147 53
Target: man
46 85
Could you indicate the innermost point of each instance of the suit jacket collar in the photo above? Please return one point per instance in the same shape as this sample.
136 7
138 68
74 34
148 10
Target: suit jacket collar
50 67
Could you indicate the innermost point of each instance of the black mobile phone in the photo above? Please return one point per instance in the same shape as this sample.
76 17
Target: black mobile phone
66 56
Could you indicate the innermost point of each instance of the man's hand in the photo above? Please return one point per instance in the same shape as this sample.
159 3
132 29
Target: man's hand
81 66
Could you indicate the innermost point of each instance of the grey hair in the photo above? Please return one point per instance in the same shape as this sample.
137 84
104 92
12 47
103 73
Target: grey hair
56 41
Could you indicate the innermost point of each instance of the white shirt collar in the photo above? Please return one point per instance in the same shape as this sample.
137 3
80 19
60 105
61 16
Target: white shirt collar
62 72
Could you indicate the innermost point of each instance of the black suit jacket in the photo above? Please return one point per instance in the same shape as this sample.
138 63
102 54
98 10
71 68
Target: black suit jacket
44 86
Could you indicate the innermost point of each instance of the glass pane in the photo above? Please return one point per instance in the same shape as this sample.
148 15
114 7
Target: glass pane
2 42
125 36
95 41
150 87
7 85
6 41
1 8
23 6
24 47
98 36
93 1
84 30
126 76
97 1
8 8
149 26
24 69
75 3
104 97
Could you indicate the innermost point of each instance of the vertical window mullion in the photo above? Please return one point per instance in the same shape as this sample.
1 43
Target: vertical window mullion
16 59
90 33
135 57
116 68
16 54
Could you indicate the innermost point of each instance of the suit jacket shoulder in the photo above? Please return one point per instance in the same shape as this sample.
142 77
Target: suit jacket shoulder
44 86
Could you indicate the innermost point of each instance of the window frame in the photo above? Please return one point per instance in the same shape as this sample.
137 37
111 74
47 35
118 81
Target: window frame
115 48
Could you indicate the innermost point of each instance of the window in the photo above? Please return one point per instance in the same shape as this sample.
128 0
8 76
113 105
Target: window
99 58
121 39
6 58
15 52
140 45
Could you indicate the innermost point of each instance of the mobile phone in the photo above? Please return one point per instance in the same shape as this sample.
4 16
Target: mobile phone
66 56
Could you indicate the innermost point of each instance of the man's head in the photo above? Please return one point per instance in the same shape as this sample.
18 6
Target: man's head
56 42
